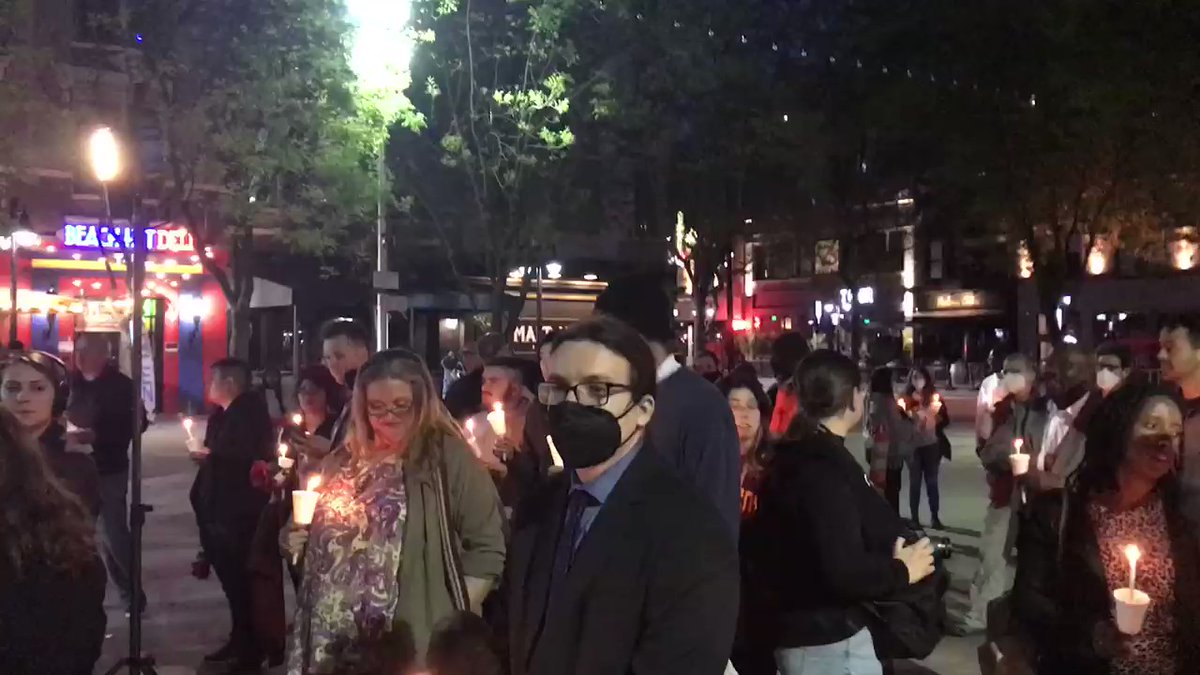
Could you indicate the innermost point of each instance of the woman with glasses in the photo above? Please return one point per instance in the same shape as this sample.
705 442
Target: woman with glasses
406 533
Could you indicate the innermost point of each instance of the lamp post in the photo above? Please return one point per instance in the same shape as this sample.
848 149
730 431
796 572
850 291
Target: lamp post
380 51
20 237
104 153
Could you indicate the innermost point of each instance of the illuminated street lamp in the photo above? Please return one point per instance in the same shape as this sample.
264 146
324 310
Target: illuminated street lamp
380 51
104 154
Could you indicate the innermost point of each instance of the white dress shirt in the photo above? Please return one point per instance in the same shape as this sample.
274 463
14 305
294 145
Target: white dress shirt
1056 429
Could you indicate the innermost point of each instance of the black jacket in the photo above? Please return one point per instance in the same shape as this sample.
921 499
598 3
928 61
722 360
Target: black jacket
76 470
653 589
465 395
104 405
237 436
822 542
52 623
1058 603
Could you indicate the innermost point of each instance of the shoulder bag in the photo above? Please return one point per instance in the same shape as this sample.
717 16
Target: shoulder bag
455 581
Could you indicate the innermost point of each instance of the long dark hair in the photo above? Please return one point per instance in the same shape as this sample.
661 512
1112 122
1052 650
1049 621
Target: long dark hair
335 395
41 522
927 391
1109 433
825 382
741 380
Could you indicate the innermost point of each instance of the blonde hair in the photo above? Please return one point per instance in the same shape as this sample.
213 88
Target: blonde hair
432 423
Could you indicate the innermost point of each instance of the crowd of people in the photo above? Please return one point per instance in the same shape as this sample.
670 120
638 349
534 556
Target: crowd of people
603 508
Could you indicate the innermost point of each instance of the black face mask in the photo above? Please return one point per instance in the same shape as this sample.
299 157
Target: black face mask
585 436
713 377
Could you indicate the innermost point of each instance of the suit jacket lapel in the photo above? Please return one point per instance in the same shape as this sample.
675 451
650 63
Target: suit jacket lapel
613 526
533 560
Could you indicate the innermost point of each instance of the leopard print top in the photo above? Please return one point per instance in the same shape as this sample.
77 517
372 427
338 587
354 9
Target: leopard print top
1152 652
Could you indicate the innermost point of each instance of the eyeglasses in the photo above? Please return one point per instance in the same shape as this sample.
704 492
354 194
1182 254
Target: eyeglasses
592 394
378 410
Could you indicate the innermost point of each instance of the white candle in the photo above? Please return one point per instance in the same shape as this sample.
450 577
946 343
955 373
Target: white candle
903 406
470 427
554 456
1133 554
496 419
304 502
285 462
187 427
1018 443
937 402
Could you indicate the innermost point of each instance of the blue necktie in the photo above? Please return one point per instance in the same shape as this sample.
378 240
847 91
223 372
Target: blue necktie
564 552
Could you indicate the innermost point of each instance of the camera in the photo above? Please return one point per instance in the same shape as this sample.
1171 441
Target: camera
943 548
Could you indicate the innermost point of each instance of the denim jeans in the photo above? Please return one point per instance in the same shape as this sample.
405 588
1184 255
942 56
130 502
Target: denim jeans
924 466
853 656
114 530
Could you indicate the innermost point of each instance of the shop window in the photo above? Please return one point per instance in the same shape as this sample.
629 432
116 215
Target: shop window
937 265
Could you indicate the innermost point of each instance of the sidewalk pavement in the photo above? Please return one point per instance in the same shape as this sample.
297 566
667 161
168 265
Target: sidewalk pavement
188 618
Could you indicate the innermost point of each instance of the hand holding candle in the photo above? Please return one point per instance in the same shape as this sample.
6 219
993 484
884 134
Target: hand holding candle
1019 459
497 420
285 462
936 403
304 502
1131 604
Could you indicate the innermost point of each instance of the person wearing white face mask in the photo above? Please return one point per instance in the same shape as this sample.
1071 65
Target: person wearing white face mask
1021 415
1114 364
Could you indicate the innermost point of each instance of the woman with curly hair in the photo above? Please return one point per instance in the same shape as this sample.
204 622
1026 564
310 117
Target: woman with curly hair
1071 548
408 530
51 579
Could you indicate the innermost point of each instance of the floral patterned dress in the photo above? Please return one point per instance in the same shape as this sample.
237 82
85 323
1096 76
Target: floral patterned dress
1151 652
348 597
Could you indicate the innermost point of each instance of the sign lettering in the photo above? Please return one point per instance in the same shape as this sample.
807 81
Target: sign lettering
121 238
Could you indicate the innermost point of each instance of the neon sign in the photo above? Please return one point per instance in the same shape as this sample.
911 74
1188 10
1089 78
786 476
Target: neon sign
118 238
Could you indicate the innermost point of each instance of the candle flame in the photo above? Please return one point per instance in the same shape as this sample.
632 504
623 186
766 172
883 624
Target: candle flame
497 407
187 423
1018 444
283 448
1133 553
471 426
314 483
937 398
297 419
900 402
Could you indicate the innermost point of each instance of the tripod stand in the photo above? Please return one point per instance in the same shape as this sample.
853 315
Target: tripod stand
136 662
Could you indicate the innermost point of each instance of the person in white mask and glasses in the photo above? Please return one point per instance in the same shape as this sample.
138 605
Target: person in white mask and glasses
1021 415
1114 365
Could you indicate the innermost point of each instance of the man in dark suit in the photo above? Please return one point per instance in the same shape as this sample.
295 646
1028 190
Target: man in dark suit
229 507
617 565
693 426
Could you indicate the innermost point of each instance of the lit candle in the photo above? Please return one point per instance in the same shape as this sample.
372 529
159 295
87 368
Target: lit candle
555 458
298 420
470 426
1133 554
187 427
496 419
903 406
304 502
937 402
285 462
1019 460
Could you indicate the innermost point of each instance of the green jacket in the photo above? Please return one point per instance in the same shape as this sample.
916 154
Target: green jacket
478 525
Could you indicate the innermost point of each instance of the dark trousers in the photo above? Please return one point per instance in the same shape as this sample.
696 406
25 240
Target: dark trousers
228 547
924 466
891 488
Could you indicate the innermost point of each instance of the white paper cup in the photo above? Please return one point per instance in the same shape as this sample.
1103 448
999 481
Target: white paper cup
1131 606
304 505
1020 463
286 463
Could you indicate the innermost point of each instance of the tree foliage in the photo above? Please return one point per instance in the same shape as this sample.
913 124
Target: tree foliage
490 124
254 105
